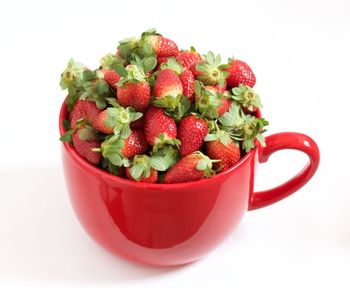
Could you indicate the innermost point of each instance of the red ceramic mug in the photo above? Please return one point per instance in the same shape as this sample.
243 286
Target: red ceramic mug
172 224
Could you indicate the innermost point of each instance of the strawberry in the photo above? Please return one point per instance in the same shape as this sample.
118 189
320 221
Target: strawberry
191 133
133 89
187 57
136 95
160 128
83 109
109 65
239 73
141 170
163 47
84 141
150 44
110 76
209 101
246 96
221 146
192 167
118 151
185 75
187 80
209 71
116 120
167 84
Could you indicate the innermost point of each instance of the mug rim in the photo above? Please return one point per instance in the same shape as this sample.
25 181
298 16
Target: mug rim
89 166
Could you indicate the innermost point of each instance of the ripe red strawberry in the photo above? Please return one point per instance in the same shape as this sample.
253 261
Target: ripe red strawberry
116 120
160 128
85 147
192 167
133 89
185 75
163 47
136 95
188 57
191 133
187 80
135 144
118 151
110 76
209 71
83 109
167 84
141 170
220 146
239 73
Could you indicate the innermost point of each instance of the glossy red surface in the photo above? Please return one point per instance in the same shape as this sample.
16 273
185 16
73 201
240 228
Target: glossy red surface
173 224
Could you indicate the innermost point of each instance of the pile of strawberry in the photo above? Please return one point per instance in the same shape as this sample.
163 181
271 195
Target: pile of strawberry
152 113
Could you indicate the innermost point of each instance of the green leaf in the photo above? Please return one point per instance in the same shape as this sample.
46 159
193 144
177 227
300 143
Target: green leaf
149 64
89 75
87 134
102 87
201 165
210 137
159 163
115 170
66 124
210 57
67 137
120 69
136 172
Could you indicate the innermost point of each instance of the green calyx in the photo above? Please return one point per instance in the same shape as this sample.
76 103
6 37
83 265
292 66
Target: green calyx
221 135
140 167
162 140
111 62
177 107
107 165
207 101
95 89
128 48
205 164
71 79
119 118
85 132
247 97
212 72
172 64
252 129
146 64
243 127
232 119
111 150
72 74
133 74
164 158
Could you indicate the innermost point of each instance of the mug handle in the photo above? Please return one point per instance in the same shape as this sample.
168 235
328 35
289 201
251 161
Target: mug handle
280 141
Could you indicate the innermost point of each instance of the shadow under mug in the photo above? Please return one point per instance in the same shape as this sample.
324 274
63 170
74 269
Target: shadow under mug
173 224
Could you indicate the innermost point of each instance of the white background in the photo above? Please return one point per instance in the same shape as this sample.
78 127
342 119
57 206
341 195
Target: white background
299 51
